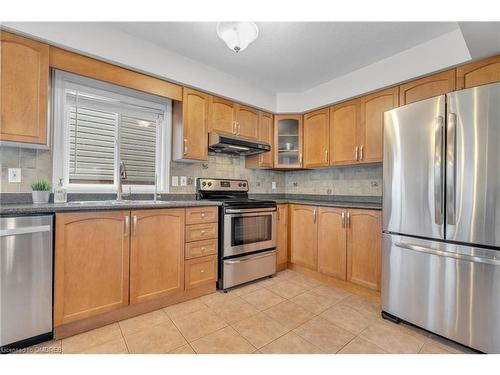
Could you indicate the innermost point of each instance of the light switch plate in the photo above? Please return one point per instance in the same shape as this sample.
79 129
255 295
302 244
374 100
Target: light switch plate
273 185
175 180
15 175
183 180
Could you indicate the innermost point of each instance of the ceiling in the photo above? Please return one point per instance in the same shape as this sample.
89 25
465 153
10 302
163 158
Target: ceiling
290 56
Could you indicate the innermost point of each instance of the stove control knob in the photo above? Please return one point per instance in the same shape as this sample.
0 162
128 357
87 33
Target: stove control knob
244 184
209 184
240 184
203 183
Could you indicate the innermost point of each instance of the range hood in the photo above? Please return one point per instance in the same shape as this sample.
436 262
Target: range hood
235 145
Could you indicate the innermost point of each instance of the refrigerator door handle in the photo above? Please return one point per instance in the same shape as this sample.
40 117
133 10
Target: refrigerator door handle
450 169
438 170
447 254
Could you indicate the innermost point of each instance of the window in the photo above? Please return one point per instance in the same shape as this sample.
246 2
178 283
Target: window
100 126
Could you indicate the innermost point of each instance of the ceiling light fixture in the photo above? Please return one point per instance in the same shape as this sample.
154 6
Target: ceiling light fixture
237 35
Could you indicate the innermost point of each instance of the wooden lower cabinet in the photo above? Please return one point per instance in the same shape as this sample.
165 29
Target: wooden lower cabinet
156 254
91 264
282 237
303 236
332 252
364 241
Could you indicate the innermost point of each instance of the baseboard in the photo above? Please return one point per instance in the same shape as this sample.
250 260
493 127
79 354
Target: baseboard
73 328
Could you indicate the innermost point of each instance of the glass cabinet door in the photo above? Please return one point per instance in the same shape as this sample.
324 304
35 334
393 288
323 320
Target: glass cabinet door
288 141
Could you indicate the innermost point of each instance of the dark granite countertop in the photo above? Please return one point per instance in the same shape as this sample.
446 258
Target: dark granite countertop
341 201
328 203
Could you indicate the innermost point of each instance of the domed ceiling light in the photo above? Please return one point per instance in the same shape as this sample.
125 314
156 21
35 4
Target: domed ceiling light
237 35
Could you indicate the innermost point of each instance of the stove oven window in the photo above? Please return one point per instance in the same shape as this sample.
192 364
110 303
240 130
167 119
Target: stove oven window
251 229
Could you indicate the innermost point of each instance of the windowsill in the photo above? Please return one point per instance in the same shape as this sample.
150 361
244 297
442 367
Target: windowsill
111 189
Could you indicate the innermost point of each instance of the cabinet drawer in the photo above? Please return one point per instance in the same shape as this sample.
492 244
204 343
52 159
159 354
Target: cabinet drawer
200 271
200 248
199 215
198 232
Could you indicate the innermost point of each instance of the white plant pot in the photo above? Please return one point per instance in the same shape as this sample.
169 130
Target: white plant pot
40 197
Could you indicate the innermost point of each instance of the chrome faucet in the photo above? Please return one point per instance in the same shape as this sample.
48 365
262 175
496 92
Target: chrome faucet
122 175
156 195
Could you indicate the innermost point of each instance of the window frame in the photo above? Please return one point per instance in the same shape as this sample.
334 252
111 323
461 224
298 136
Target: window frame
63 80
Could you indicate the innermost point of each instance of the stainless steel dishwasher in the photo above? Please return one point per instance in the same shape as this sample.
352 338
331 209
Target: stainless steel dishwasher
25 281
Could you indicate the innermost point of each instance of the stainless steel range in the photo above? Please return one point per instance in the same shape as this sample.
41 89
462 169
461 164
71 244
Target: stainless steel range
247 232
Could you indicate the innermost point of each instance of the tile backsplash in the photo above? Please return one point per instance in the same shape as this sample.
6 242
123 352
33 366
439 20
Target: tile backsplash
355 180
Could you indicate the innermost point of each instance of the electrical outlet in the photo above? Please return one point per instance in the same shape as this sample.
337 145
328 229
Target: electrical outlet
374 183
183 180
175 180
15 175
273 185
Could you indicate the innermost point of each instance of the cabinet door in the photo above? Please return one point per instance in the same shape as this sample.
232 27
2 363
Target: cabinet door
91 274
364 242
266 134
287 141
478 73
194 122
304 236
427 87
221 115
247 122
24 87
316 138
332 251
372 123
156 254
282 236
344 123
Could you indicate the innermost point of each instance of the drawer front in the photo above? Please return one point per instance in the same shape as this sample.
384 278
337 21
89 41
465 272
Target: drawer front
199 215
201 271
198 232
201 248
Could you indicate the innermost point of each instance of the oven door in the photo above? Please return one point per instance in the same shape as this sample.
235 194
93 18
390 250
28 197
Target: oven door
248 230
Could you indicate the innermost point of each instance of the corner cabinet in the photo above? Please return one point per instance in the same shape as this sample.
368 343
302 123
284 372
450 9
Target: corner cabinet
266 134
24 89
316 138
91 264
479 73
190 123
288 141
156 264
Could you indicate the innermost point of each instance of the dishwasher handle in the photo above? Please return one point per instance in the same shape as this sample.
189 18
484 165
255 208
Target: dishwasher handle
25 230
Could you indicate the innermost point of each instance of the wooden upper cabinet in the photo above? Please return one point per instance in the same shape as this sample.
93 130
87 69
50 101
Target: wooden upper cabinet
191 126
332 247
303 236
371 132
156 254
24 81
282 236
316 138
266 134
91 273
344 128
288 141
427 87
479 73
221 116
364 241
247 122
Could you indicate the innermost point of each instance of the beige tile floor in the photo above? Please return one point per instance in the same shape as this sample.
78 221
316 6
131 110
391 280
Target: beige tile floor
289 313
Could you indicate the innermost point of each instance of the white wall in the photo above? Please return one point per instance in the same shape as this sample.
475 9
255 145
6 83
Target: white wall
437 54
114 46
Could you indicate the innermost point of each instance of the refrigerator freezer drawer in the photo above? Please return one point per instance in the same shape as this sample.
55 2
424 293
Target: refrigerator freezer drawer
448 289
247 268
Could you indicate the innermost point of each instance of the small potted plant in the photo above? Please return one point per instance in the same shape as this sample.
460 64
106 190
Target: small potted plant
41 191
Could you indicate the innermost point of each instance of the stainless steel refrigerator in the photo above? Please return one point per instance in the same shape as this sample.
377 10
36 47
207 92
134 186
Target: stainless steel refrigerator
441 216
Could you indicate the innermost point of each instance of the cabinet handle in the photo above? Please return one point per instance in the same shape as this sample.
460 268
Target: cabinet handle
361 153
348 219
234 127
239 127
134 225
202 271
300 158
342 219
185 146
202 249
126 225
203 231
326 156
356 153
202 214
314 216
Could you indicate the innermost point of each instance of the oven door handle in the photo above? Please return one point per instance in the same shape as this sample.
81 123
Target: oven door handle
248 257
248 210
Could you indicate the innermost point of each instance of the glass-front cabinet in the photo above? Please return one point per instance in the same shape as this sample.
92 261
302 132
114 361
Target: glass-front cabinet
288 141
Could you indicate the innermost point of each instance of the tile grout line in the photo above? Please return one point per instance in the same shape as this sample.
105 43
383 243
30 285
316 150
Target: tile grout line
180 332
124 339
